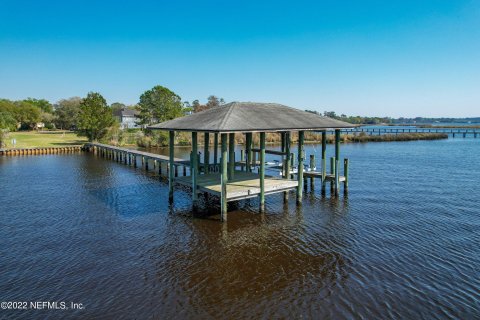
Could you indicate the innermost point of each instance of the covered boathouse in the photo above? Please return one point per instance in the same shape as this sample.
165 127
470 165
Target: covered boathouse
247 118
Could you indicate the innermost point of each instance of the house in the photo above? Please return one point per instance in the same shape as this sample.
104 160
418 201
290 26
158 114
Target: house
127 118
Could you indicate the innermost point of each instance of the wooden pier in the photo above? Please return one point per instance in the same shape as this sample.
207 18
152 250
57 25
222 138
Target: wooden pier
243 185
472 132
39 150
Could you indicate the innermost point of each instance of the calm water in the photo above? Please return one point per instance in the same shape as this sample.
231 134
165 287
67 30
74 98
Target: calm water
403 244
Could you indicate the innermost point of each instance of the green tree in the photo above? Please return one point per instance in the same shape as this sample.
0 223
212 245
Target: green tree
214 101
7 121
117 106
67 112
43 104
27 114
158 105
95 117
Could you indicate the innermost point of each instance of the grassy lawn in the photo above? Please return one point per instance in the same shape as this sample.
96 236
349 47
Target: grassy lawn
30 139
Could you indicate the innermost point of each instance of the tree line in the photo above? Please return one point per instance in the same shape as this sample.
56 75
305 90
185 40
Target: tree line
91 116
355 119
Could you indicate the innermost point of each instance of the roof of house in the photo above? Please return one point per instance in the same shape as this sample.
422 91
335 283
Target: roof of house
251 117
126 113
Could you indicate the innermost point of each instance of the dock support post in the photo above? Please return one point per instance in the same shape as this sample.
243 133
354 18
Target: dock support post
194 167
231 155
215 149
224 178
337 158
262 171
312 168
345 173
300 166
332 171
324 159
206 152
248 139
171 142
286 165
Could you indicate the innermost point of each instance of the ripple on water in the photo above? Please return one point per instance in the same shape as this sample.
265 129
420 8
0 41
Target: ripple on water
402 244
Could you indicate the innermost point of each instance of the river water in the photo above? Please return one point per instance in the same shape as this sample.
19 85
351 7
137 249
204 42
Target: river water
403 244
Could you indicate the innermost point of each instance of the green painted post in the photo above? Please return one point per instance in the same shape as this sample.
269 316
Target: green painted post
206 153
332 170
194 167
312 166
345 173
242 158
171 149
248 139
292 159
262 171
231 155
301 155
215 149
337 158
199 156
324 155
224 178
288 160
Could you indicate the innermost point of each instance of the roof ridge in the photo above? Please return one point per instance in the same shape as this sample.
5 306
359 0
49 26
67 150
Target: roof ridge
227 115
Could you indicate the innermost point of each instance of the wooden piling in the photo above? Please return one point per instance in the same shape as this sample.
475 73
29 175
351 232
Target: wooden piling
242 158
337 157
171 155
248 139
345 173
262 171
324 159
231 155
301 155
287 161
215 149
312 168
332 170
224 178
194 168
206 152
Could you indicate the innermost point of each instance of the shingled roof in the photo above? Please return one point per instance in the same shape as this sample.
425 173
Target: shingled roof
251 117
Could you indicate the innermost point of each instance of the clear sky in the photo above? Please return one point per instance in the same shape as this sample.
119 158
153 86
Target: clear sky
385 58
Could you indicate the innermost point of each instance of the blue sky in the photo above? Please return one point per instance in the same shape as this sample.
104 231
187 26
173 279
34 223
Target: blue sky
385 58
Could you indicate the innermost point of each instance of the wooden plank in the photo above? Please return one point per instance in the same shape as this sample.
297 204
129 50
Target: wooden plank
244 185
278 153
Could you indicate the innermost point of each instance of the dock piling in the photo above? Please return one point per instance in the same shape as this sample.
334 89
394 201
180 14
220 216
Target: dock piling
224 178
301 155
262 171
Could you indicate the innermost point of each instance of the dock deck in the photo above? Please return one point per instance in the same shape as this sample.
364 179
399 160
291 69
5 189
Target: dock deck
244 185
